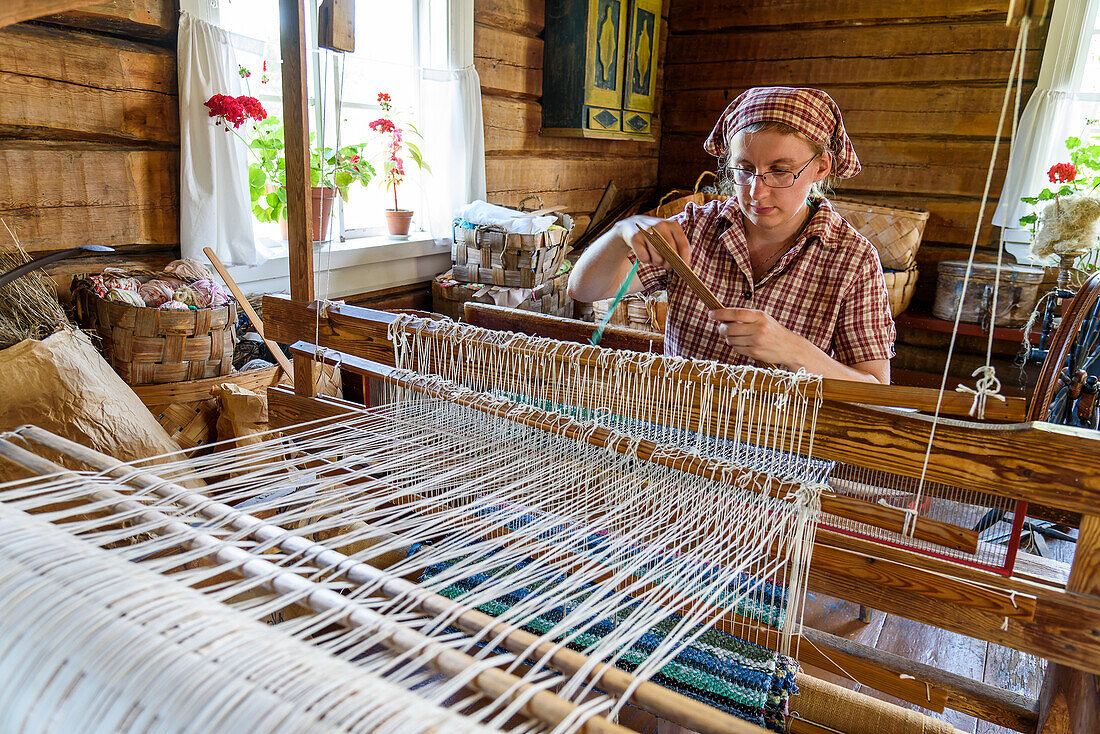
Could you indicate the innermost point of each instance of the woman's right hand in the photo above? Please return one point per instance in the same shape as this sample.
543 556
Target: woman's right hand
629 231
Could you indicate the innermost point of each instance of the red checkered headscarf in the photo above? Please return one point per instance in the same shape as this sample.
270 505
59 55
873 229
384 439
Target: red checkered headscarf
809 111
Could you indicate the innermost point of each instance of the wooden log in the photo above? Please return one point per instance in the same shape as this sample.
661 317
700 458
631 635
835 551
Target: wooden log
845 54
709 15
508 64
155 20
54 196
60 84
17 11
881 109
918 166
512 129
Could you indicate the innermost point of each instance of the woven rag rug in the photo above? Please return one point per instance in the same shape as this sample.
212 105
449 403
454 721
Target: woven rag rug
724 671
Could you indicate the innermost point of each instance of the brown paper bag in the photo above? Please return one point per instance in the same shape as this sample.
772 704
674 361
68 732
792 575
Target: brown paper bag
62 384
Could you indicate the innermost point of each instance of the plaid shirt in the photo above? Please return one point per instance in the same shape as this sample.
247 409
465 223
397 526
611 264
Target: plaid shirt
828 287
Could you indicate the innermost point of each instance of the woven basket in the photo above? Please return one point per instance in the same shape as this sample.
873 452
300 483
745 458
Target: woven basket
449 297
635 311
895 232
669 206
901 285
152 346
490 256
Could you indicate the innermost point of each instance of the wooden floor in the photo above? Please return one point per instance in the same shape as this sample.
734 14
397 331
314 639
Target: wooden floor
999 666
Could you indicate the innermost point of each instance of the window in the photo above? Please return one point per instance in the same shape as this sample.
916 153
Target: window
1066 98
344 88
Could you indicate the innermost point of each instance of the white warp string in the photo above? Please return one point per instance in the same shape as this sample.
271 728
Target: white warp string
496 508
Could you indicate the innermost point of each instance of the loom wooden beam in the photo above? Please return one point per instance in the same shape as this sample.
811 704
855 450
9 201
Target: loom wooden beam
1034 462
17 11
1070 699
850 508
572 330
292 44
501 318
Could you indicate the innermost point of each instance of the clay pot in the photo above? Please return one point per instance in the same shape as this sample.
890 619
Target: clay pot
321 210
398 221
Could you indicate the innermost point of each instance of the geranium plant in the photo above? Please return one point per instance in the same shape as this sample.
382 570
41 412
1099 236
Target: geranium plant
1080 174
396 136
328 167
1070 219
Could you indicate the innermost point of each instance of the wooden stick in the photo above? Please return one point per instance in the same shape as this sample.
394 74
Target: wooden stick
257 324
681 268
697 286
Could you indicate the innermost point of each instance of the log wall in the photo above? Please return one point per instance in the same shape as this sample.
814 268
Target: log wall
89 132
920 83
518 161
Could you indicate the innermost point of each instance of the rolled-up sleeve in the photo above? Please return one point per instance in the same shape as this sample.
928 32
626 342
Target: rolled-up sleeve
865 328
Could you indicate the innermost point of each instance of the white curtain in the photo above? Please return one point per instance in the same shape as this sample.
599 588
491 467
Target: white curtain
1056 110
215 207
450 94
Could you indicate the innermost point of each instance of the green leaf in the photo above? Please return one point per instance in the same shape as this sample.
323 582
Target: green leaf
1029 219
1046 195
1030 200
1072 143
256 176
260 213
257 193
277 213
1065 191
273 200
343 179
282 194
343 192
314 177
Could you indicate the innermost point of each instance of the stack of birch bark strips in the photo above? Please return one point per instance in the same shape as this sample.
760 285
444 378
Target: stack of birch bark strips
526 271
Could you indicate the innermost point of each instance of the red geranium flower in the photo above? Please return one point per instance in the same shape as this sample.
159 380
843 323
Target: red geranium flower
1062 173
235 110
383 125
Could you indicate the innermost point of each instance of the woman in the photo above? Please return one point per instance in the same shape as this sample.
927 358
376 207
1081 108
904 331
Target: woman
804 289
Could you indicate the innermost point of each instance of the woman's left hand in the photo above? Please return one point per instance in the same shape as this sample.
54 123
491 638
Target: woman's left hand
756 334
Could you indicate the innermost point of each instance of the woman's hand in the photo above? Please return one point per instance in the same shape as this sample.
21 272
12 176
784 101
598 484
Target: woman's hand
757 335
629 231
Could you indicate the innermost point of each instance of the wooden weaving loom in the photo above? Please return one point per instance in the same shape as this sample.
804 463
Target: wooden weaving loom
286 542
1055 616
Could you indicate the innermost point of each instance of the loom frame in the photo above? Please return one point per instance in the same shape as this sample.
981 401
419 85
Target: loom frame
1027 462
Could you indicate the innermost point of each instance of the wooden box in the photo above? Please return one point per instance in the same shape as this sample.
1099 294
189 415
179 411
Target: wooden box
600 68
1016 295
635 311
489 255
450 296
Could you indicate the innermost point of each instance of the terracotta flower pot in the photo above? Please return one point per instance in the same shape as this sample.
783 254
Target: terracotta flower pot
398 221
321 210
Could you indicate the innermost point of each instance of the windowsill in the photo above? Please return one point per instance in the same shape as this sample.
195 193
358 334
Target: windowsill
352 267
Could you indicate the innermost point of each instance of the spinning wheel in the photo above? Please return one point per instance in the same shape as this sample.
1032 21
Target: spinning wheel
1066 390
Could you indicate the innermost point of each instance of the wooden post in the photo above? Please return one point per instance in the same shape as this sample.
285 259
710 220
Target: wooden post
1069 702
292 45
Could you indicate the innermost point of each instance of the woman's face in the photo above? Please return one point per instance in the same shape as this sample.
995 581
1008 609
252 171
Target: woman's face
765 207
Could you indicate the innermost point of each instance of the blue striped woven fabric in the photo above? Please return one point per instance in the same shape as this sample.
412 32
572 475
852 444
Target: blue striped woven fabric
728 673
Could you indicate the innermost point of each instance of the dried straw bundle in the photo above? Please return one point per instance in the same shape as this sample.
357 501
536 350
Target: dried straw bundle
28 305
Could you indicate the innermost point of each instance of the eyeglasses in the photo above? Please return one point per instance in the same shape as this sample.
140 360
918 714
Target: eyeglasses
771 179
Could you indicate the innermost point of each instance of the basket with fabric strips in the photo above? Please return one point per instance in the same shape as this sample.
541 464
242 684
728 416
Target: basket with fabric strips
894 231
488 255
449 296
164 343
